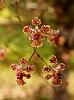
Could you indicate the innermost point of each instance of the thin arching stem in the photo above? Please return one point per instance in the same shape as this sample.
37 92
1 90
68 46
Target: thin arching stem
31 56
35 51
41 58
18 16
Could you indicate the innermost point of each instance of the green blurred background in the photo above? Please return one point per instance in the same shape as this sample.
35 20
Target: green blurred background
14 44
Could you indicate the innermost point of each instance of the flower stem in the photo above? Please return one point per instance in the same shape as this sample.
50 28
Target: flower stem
31 56
40 56
35 51
18 16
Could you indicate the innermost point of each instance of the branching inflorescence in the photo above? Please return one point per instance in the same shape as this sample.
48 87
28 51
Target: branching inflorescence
24 69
